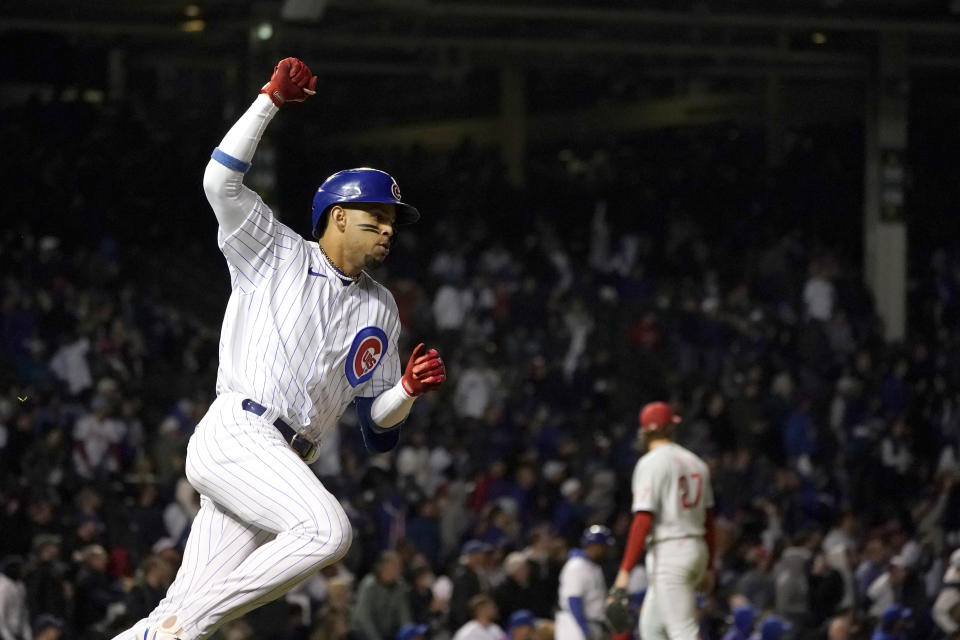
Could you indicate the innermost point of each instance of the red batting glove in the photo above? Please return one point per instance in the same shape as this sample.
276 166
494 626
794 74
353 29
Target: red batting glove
291 82
425 372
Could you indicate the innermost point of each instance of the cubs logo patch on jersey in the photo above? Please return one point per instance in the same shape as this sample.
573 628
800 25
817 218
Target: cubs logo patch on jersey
366 352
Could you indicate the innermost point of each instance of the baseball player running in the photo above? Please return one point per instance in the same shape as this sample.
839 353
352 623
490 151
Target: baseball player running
673 518
306 332
583 588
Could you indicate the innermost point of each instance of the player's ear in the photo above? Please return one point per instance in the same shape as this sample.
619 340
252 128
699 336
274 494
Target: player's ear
338 215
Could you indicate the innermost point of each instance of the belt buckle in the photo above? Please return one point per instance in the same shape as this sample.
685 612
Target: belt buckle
304 448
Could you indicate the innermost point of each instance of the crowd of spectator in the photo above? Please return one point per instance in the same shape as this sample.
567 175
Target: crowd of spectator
835 456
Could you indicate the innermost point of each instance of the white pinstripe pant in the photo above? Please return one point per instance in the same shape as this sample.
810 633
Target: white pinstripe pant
265 522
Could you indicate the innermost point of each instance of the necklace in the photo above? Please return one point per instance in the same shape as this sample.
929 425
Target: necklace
334 265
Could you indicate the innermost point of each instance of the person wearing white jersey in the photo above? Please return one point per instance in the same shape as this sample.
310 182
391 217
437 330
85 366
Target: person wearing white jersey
483 623
583 588
306 333
673 519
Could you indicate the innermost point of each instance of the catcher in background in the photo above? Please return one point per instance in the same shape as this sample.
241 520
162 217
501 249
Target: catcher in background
673 519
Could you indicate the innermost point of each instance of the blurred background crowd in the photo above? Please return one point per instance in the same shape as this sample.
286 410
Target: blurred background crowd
559 312
673 264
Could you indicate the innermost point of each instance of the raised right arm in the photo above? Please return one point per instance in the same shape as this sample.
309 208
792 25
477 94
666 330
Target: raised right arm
223 178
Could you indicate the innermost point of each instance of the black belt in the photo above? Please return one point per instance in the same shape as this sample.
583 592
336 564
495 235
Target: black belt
304 448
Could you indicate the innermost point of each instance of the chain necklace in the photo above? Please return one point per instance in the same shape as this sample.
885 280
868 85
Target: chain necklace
334 265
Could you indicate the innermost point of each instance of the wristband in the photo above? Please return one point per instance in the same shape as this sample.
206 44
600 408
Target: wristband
234 164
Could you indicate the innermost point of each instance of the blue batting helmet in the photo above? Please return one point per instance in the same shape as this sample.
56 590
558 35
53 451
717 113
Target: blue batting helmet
361 185
596 534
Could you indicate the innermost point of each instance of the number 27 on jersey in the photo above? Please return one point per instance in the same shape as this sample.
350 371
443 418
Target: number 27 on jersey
686 500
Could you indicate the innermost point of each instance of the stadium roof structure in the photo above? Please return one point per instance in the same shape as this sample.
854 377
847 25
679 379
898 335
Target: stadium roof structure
446 57
404 37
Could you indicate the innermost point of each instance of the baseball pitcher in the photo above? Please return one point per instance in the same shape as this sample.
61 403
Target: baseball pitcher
673 519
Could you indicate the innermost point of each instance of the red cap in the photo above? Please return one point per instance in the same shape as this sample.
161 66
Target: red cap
656 415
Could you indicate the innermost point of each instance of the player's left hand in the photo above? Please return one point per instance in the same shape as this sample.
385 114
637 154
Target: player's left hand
291 82
425 371
617 612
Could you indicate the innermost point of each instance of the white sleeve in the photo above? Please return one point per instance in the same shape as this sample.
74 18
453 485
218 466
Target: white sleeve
644 486
251 239
391 407
223 179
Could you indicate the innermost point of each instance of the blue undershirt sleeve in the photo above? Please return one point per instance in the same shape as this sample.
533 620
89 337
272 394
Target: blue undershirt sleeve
375 437
576 608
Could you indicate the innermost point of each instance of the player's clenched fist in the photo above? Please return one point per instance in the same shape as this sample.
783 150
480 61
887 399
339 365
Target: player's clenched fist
291 82
425 371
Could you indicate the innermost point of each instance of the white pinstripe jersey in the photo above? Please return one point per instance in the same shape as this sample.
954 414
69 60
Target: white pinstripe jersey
294 337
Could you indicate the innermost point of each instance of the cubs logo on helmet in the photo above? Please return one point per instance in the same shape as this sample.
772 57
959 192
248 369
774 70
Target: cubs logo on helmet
395 190
366 352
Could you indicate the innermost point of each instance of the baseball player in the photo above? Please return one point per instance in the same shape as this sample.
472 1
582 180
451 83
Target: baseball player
583 588
306 332
673 519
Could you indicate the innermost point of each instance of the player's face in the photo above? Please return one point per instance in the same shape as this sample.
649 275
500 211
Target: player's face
523 632
369 232
596 552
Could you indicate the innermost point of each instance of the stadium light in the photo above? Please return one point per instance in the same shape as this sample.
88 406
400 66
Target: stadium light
193 26
264 31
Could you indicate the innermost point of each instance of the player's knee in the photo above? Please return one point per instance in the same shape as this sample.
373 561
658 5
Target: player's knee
331 543
347 534
344 538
